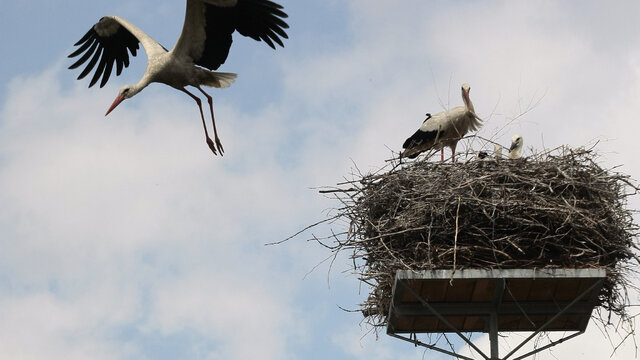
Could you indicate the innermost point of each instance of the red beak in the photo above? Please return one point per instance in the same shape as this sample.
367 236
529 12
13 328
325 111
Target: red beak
116 102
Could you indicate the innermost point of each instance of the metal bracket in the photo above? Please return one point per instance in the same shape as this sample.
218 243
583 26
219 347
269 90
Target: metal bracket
501 286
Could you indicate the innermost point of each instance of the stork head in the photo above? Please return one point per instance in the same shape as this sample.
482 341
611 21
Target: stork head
465 91
465 96
125 92
516 142
516 147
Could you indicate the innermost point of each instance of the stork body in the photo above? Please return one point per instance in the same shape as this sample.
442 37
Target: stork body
497 151
444 129
202 47
516 147
483 155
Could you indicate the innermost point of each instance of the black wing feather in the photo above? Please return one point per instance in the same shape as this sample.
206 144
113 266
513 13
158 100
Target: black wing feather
220 25
420 137
100 68
260 20
82 48
108 49
85 56
107 68
84 38
91 64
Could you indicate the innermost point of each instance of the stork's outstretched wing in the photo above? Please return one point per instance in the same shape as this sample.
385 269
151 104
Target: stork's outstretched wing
108 42
209 25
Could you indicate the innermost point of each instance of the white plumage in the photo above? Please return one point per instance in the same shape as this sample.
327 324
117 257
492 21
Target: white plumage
202 46
497 151
516 147
444 129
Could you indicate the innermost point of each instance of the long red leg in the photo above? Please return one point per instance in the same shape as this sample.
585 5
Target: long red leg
213 120
442 154
206 133
453 153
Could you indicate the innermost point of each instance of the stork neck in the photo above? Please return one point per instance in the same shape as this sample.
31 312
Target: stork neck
140 85
467 101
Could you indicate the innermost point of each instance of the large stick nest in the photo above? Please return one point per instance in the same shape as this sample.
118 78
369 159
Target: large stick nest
557 210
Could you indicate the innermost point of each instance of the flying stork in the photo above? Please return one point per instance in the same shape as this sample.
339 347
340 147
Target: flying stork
445 128
516 147
202 46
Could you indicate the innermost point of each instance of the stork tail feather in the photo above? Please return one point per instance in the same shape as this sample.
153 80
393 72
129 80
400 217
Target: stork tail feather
219 79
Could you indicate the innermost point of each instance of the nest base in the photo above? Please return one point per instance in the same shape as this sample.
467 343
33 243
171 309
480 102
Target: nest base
436 301
472 300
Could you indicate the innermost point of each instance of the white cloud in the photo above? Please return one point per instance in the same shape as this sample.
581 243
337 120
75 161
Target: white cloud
42 325
359 346
225 304
104 207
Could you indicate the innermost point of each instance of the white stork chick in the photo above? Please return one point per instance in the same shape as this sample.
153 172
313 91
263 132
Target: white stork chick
516 147
482 155
497 152
445 128
202 46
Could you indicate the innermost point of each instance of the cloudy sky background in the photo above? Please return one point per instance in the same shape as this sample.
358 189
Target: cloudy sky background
124 238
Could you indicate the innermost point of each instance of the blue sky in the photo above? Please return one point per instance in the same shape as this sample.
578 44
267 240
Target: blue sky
124 238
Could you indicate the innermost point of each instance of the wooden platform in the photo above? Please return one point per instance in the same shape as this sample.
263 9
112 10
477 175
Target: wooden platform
519 300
